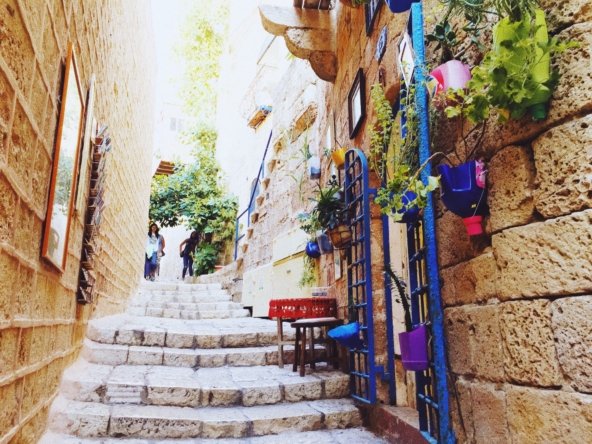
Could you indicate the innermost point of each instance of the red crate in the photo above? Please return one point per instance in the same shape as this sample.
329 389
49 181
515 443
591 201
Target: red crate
303 308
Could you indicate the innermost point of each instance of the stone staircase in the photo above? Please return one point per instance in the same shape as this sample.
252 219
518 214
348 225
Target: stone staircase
185 364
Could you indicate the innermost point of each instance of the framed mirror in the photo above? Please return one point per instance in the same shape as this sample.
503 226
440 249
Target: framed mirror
60 204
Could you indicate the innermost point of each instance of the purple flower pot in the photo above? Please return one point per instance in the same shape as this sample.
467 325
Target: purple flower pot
414 349
399 5
312 249
464 193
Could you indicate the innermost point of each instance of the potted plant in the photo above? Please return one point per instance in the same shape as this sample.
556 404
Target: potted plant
413 341
393 156
331 213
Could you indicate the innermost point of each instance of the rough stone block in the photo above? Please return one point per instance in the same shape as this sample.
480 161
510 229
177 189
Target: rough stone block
489 414
572 329
486 348
6 100
15 45
537 416
562 13
475 280
7 209
563 157
458 332
546 258
511 181
260 392
454 245
10 406
300 389
529 348
462 421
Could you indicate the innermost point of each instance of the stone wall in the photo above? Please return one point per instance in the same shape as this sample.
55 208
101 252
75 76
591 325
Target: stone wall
518 305
41 326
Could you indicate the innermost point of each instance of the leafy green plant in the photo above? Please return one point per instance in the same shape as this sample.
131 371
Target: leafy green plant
401 297
205 258
394 159
509 79
330 209
308 277
309 224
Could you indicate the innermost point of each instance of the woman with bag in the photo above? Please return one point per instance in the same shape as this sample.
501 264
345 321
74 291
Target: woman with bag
154 251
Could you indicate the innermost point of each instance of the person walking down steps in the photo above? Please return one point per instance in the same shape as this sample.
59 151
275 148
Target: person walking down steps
186 250
154 251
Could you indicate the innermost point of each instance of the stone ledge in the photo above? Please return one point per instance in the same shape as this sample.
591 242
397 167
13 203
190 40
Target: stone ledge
309 35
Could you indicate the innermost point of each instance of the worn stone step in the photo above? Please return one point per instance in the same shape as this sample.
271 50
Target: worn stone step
154 298
201 306
91 419
196 314
116 354
178 286
126 329
339 436
186 387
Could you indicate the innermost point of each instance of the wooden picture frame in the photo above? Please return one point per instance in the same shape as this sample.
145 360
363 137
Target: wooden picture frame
356 104
62 187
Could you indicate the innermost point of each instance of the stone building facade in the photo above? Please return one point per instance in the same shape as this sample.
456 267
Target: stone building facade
517 299
41 325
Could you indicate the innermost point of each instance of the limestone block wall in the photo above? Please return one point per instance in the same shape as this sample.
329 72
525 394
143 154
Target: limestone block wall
518 299
41 326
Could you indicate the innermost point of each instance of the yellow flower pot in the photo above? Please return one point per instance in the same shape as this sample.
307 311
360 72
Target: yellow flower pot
338 157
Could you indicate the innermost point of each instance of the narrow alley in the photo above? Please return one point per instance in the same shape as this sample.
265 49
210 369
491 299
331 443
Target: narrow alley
295 221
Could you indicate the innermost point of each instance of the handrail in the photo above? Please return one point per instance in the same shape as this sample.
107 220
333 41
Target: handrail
247 211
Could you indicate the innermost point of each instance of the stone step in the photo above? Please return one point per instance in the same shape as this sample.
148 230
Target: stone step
186 387
175 313
337 436
115 354
141 298
205 306
125 329
178 286
91 419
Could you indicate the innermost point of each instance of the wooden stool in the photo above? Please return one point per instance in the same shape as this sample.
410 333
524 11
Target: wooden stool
300 345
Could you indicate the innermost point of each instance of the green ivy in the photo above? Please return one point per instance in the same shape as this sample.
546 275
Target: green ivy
205 258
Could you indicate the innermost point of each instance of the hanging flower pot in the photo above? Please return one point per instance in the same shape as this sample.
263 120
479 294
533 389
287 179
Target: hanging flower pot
347 335
451 75
325 245
409 214
464 193
312 249
399 5
340 236
414 349
338 156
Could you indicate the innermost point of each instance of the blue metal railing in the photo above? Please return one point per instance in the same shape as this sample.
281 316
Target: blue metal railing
432 386
254 193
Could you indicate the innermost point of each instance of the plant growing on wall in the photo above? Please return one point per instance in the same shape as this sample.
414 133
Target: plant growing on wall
514 77
394 159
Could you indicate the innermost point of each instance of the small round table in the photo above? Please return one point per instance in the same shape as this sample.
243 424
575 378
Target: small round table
300 345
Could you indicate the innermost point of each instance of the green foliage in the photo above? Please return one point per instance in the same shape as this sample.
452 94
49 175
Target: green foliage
205 258
401 296
309 224
204 35
308 277
508 79
192 195
330 209
393 158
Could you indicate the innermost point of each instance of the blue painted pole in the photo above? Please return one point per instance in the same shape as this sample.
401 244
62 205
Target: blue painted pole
436 314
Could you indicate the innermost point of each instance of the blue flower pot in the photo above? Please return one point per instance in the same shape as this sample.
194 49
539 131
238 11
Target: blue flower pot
347 335
399 5
312 249
464 193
